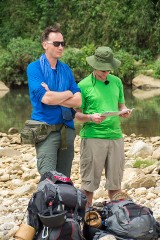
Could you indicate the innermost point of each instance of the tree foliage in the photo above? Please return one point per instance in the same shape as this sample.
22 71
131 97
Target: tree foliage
128 26
132 25
14 60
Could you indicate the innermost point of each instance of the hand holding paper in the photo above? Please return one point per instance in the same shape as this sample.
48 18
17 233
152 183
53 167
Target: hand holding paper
126 113
117 113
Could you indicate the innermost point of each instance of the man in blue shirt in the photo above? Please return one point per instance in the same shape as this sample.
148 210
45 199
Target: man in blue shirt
53 105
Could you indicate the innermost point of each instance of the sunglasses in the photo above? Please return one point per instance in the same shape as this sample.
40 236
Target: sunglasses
105 71
57 44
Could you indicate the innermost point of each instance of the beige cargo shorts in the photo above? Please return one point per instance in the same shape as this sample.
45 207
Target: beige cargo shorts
98 154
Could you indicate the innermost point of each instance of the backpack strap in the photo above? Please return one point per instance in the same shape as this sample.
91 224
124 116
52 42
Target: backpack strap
96 236
56 177
116 204
121 203
64 179
58 191
59 198
79 203
79 198
99 235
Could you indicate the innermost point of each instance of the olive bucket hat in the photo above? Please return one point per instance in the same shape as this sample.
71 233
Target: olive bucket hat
103 59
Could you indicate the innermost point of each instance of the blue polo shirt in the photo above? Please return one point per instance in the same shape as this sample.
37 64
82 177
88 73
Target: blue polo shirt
51 114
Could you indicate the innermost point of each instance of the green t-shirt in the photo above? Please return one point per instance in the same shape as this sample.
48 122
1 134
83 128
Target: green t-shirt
98 98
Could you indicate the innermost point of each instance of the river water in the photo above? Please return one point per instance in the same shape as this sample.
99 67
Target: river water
15 108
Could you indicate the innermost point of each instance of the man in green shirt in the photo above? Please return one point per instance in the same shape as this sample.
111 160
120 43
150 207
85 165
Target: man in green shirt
102 144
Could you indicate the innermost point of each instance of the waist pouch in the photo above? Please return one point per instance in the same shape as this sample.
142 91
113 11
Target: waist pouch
36 131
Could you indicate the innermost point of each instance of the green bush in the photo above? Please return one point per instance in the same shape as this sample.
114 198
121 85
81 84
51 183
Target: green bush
13 61
127 69
145 55
156 69
76 59
20 52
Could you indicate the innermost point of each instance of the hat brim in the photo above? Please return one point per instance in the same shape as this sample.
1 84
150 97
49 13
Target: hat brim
103 66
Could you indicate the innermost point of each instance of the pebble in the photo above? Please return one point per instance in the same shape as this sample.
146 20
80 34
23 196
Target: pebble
19 178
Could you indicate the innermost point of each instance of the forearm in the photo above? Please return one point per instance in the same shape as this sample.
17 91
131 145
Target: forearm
125 114
81 117
95 118
75 101
122 106
56 98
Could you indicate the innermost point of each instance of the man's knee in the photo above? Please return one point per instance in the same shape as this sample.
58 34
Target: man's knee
46 163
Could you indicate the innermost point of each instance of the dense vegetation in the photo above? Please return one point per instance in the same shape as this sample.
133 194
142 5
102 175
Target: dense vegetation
131 28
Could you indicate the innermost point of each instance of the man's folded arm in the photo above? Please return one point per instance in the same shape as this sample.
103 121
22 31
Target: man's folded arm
75 101
56 98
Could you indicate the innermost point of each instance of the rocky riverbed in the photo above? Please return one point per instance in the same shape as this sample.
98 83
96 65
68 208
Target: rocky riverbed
19 177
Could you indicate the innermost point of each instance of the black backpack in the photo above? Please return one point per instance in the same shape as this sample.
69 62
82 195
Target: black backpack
57 209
